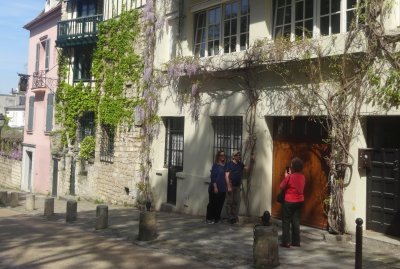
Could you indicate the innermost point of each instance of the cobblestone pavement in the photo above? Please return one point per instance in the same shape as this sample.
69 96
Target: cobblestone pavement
220 245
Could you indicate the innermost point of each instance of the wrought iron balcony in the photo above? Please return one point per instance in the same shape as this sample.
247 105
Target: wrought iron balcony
40 82
80 31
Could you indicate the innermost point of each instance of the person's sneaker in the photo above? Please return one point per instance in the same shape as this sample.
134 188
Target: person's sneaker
287 245
208 221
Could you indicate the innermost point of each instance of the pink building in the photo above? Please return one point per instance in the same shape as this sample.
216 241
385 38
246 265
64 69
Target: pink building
39 108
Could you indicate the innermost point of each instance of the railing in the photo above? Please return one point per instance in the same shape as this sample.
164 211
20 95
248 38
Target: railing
81 28
41 81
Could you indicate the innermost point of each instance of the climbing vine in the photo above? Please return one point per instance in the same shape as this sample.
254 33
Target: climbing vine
71 102
148 109
116 66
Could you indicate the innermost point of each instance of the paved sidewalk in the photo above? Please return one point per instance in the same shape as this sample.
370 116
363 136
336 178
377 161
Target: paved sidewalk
219 245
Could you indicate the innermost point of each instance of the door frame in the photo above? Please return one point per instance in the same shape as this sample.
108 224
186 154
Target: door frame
173 154
28 167
302 138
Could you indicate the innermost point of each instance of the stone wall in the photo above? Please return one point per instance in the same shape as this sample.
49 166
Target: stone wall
104 181
10 173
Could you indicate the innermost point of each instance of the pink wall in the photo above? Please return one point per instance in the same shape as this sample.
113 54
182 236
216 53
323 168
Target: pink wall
38 140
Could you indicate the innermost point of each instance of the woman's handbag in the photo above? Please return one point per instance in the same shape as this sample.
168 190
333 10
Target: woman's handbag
281 195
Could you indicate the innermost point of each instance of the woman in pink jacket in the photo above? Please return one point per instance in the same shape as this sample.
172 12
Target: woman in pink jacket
293 182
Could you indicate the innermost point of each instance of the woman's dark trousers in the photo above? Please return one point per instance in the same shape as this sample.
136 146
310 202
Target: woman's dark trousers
291 219
215 205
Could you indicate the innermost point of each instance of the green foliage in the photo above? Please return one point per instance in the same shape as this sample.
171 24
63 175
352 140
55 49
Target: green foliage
87 148
71 103
386 95
98 201
116 64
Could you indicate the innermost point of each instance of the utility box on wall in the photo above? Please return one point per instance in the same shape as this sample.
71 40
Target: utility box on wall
364 158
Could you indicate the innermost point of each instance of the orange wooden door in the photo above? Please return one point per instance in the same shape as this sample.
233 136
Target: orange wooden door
315 172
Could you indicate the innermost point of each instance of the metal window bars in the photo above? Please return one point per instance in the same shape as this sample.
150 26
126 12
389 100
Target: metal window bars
227 134
107 143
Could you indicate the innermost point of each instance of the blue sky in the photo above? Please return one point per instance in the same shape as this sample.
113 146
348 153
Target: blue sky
14 14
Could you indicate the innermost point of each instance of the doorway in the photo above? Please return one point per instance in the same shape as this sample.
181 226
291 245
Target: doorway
30 161
55 178
303 138
383 177
173 154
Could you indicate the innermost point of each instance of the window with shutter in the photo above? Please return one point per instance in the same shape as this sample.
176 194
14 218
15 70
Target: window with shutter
31 111
37 57
49 112
47 60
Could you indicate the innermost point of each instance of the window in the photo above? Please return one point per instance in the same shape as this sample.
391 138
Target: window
351 13
47 54
87 126
329 17
230 21
227 134
37 58
83 63
107 143
173 152
307 18
42 48
31 111
49 112
87 8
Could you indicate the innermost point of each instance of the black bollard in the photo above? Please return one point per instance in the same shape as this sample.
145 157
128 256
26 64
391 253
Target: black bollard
359 223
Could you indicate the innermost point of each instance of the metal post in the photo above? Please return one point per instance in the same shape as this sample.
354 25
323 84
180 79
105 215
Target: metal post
359 223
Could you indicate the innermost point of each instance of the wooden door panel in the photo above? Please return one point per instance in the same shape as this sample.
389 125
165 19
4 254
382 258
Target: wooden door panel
315 172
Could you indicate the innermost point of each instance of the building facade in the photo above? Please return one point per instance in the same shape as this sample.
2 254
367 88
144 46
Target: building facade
39 107
217 36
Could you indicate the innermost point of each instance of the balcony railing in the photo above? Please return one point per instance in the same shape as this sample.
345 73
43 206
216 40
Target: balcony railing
78 31
40 82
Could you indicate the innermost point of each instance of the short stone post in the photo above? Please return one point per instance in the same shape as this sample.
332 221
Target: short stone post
147 226
265 247
3 198
30 202
72 207
49 206
14 199
101 217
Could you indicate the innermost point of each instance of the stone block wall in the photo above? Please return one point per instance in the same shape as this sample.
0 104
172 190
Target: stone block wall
10 175
106 181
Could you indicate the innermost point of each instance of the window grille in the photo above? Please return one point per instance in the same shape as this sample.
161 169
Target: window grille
107 143
227 134
87 126
173 154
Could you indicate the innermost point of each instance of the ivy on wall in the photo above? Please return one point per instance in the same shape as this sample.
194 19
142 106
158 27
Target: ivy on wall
116 64
71 102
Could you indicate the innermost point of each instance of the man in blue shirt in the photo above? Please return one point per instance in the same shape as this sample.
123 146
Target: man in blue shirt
234 175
